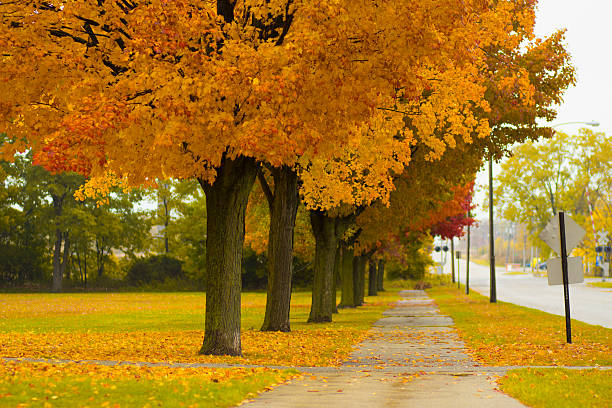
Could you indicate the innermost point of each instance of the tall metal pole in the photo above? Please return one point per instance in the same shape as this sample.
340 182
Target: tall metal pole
493 289
453 260
467 261
458 273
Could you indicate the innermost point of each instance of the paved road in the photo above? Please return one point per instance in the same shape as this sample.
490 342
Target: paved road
588 304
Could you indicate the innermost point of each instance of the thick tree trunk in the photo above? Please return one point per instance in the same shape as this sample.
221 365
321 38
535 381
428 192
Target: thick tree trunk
346 270
372 279
283 209
57 263
337 261
381 275
226 202
326 241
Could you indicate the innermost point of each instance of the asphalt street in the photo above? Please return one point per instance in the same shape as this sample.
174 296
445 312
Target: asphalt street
587 303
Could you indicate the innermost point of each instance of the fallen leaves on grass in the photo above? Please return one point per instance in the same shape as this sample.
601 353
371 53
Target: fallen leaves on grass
42 384
316 347
559 388
504 334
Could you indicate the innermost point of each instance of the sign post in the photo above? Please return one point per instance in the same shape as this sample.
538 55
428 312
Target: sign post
562 234
568 322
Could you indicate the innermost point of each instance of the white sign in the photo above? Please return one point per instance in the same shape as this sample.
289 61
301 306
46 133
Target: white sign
573 234
574 270
602 236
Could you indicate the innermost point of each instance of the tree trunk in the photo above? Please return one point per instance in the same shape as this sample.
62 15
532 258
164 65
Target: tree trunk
283 209
85 267
346 271
362 271
372 279
226 202
57 266
166 222
337 261
324 230
66 254
381 275
358 279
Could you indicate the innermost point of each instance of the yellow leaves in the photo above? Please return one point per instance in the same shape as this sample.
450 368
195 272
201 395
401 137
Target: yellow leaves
93 326
298 348
508 335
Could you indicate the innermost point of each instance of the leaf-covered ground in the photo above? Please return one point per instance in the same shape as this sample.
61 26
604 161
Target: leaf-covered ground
563 388
169 327
157 327
504 334
77 385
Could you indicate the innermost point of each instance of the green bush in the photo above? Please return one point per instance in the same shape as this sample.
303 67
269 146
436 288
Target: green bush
21 264
156 268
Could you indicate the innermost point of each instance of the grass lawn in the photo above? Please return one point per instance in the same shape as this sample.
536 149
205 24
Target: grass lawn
169 327
76 385
504 334
158 327
606 285
563 388
507 334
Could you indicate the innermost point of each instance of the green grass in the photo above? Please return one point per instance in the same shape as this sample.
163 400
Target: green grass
41 385
119 312
606 285
158 327
170 327
559 388
506 334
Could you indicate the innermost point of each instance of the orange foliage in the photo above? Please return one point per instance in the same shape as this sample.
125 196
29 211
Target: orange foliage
165 89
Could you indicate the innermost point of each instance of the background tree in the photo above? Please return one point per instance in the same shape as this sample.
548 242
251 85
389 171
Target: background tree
556 174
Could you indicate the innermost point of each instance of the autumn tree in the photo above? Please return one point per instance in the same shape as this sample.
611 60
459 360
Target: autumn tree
563 173
134 92
127 92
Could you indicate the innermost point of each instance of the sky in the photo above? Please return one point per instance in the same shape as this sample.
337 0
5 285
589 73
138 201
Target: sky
589 42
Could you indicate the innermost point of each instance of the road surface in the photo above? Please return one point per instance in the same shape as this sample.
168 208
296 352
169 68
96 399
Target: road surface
587 303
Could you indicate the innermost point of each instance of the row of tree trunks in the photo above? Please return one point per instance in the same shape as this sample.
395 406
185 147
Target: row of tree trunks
327 231
226 203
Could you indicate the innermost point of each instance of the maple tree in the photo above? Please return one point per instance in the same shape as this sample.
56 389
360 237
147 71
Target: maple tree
128 93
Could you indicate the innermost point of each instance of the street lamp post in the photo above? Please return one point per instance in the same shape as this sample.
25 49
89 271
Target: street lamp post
493 288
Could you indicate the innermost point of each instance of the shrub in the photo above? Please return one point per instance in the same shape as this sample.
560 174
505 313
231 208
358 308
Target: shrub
21 264
156 268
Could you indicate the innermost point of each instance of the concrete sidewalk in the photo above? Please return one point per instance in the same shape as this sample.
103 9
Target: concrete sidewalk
413 358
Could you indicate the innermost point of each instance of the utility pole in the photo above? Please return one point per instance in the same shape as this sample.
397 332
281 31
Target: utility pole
493 289
467 261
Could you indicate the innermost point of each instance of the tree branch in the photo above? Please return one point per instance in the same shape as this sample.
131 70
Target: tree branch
265 187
